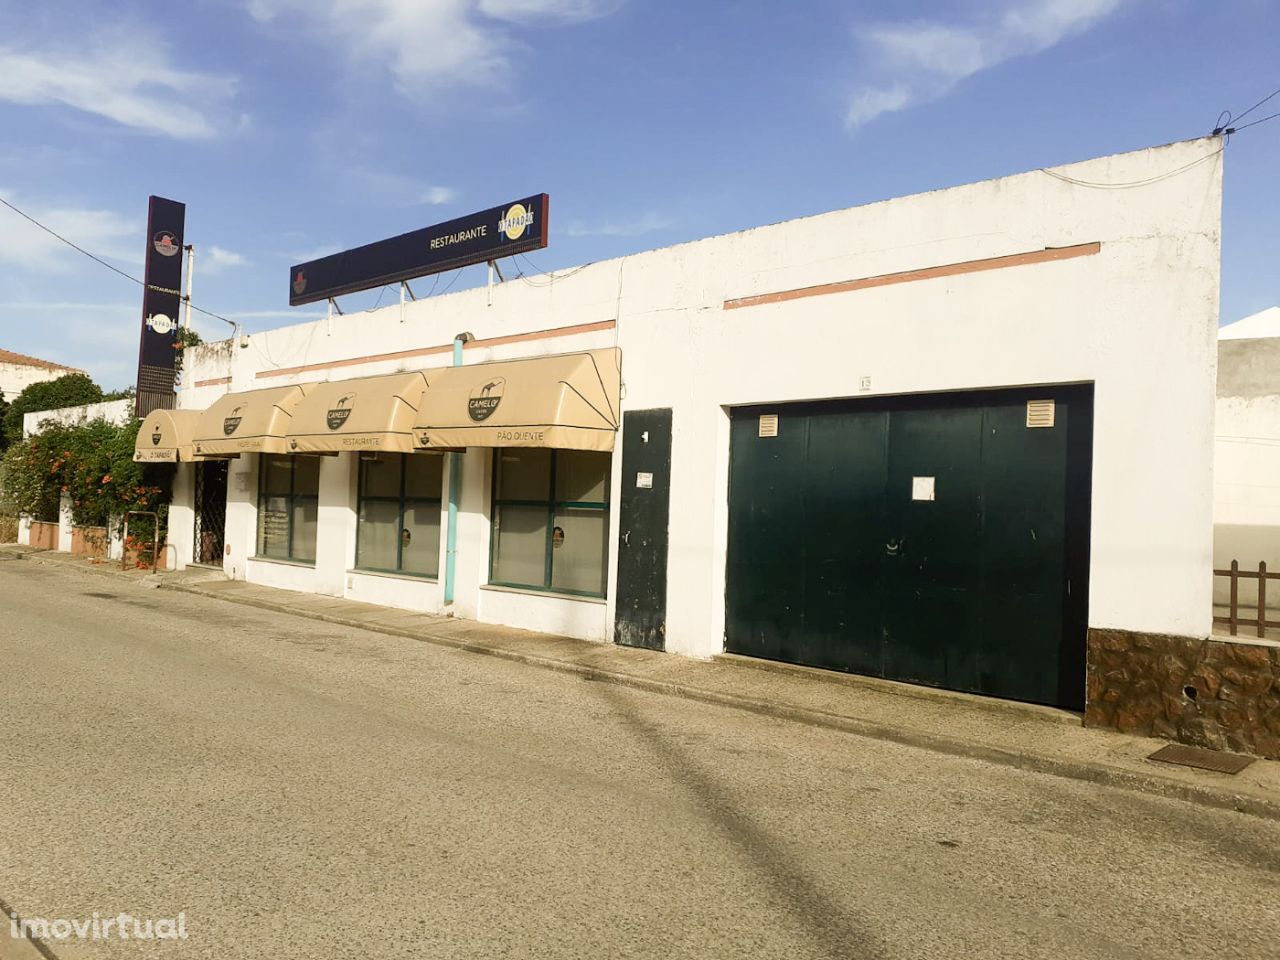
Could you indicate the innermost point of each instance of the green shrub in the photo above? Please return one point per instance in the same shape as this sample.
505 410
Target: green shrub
70 390
93 464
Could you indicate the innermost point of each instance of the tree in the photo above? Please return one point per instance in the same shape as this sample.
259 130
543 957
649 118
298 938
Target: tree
4 407
70 390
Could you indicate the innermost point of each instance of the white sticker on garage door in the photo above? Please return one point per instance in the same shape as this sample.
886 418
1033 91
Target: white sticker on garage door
922 488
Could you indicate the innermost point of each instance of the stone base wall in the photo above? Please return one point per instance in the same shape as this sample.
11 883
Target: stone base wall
1205 692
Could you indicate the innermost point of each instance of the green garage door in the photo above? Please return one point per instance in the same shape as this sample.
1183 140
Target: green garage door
939 540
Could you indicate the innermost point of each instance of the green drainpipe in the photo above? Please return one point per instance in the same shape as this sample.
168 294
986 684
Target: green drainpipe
455 474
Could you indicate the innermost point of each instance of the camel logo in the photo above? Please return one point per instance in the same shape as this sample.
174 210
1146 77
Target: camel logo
341 410
485 399
230 424
166 244
155 438
299 283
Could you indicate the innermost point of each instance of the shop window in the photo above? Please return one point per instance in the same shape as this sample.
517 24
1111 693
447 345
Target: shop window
551 520
399 513
288 494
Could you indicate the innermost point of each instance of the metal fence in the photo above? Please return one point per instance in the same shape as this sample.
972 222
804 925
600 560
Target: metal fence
1233 620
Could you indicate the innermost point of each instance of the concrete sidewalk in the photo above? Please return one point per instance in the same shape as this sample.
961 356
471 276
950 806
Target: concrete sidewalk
1018 735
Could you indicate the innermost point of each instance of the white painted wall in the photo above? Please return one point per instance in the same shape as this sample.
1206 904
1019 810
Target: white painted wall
113 411
65 525
241 520
181 532
1138 320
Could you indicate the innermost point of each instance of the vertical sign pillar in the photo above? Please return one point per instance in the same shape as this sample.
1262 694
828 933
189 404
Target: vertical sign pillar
157 356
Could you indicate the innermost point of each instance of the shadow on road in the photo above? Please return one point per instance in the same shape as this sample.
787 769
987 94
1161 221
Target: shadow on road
835 934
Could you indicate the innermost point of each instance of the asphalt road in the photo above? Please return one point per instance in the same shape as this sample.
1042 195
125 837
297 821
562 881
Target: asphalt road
301 790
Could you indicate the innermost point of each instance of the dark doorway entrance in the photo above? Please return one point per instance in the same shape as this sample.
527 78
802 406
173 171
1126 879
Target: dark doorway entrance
941 540
210 510
640 618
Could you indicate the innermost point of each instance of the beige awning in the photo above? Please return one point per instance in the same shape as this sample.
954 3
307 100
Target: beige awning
166 436
370 413
255 421
568 401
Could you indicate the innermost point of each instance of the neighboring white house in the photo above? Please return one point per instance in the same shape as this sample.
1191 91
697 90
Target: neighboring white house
1264 323
18 371
1246 501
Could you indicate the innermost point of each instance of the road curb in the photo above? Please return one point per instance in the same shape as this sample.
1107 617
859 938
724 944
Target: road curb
1090 773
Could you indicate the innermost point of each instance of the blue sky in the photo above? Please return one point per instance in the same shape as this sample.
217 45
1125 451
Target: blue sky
293 128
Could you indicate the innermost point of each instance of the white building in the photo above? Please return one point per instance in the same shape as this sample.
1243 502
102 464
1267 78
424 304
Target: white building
1264 323
959 438
1246 502
18 371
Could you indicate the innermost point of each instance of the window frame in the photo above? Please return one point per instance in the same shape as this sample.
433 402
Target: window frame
294 499
403 501
552 505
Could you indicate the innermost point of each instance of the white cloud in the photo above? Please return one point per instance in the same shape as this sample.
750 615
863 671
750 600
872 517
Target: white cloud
216 259
923 60
428 44
560 11
101 232
649 223
122 75
68 306
869 104
384 186
315 253
99 338
436 196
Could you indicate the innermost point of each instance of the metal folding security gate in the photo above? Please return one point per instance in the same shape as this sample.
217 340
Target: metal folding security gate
941 540
210 510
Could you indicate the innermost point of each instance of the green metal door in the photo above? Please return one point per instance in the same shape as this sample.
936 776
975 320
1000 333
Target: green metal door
938 540
931 570
1035 550
806 524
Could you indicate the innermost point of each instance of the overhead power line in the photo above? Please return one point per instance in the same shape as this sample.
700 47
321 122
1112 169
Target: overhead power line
1254 123
1229 124
1129 184
112 267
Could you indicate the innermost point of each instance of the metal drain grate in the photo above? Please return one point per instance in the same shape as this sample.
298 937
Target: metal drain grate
1201 759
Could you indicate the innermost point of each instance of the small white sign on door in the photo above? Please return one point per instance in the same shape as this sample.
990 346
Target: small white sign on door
922 488
644 481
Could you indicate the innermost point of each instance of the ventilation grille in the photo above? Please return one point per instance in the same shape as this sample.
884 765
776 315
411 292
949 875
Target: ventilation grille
768 424
1040 413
